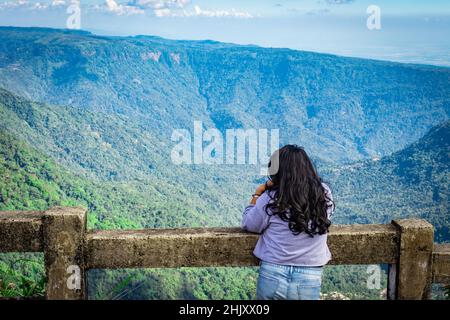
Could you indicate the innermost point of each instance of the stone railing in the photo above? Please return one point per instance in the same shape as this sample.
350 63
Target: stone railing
405 245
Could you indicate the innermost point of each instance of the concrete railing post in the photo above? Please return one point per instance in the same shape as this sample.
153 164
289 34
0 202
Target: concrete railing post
411 278
63 234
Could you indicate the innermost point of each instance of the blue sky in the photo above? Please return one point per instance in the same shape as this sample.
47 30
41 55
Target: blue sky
411 31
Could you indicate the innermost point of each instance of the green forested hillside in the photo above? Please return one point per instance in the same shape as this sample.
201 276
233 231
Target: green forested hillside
413 182
32 181
141 189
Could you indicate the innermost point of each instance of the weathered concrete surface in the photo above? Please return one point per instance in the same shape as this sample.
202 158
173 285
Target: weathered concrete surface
363 244
406 245
63 235
170 248
441 263
415 258
358 244
20 231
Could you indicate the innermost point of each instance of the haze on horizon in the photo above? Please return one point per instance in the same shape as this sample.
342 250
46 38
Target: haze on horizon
411 31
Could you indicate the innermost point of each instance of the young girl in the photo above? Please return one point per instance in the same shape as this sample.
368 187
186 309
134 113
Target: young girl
291 211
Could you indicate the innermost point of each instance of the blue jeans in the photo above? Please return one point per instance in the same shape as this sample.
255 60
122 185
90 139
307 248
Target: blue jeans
279 282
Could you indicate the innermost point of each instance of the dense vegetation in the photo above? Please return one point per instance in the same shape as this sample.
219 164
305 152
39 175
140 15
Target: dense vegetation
87 120
22 275
80 143
409 183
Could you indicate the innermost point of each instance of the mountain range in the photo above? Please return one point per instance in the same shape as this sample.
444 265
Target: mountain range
88 119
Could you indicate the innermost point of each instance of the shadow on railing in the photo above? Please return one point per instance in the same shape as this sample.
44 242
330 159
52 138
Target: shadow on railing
415 262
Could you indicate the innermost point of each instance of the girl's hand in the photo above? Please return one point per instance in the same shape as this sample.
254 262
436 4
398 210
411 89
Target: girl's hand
260 190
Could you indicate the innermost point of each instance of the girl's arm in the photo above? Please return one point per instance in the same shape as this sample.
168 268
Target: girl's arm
255 219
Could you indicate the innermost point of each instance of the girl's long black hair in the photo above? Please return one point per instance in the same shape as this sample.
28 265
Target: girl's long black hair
298 196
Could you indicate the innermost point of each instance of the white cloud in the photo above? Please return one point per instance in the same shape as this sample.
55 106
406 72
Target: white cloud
178 8
13 4
39 6
57 3
121 9
199 12
31 5
162 12
160 4
159 8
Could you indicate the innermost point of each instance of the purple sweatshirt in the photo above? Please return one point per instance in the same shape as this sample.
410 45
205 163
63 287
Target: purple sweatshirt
277 244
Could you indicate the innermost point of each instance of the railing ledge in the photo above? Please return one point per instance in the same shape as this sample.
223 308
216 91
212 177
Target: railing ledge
405 245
